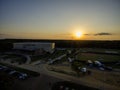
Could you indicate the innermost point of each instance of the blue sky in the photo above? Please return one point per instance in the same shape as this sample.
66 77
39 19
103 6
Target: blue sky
59 19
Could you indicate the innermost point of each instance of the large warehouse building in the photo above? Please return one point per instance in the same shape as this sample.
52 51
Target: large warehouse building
33 46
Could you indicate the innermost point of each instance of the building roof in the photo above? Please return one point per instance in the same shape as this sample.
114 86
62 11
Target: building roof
34 43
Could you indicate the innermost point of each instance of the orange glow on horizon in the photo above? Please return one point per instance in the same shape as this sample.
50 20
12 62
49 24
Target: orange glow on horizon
78 34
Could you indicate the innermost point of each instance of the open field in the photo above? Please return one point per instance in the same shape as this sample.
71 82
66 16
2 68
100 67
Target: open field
109 60
102 50
101 57
100 77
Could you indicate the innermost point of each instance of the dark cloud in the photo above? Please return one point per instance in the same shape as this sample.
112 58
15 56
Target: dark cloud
87 34
103 33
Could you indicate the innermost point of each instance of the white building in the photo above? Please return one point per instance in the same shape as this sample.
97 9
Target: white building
32 46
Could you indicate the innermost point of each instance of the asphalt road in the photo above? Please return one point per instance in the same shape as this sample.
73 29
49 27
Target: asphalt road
43 82
58 76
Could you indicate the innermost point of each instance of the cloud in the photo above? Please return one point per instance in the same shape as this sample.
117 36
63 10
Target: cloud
87 34
1 34
102 33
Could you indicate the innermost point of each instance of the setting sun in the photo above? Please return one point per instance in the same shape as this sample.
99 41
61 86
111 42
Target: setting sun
78 34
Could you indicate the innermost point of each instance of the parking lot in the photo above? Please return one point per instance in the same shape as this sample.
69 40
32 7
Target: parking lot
17 74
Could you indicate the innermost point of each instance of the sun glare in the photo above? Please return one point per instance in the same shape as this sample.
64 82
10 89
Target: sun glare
78 34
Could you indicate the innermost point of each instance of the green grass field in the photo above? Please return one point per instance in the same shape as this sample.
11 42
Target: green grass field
100 57
98 50
93 57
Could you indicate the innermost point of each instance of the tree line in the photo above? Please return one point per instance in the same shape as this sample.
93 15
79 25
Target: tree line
7 44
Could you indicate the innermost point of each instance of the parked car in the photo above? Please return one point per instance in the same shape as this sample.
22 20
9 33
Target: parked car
20 75
23 76
12 72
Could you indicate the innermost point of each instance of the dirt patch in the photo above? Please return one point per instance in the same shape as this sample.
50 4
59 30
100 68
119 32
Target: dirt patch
88 54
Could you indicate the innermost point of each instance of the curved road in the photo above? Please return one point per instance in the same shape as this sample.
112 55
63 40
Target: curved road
42 68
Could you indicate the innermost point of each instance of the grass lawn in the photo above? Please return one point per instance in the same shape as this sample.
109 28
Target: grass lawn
93 57
98 50
108 60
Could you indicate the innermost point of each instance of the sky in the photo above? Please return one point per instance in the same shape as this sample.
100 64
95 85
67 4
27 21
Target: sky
60 19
